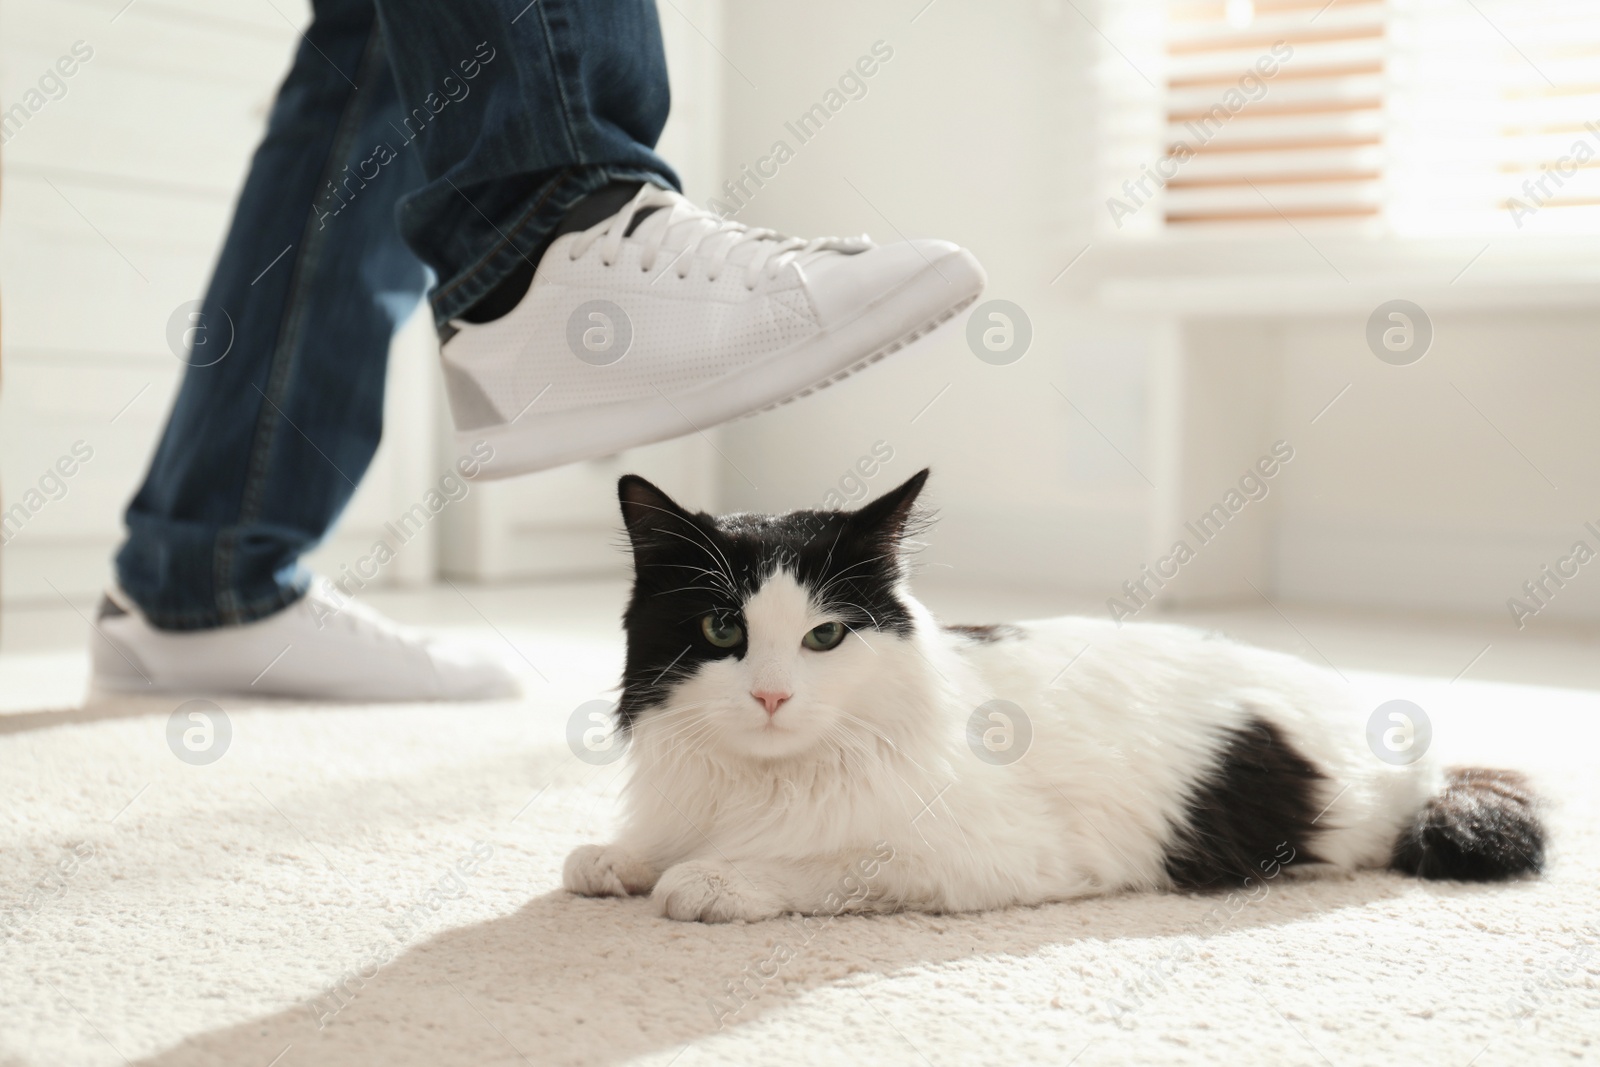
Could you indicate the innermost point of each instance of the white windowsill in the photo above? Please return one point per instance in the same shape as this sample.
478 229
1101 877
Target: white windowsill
1251 276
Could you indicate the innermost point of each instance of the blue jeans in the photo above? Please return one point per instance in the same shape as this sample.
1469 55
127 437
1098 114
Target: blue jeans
410 136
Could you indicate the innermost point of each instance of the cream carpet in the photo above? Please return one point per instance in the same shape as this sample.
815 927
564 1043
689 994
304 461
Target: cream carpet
160 912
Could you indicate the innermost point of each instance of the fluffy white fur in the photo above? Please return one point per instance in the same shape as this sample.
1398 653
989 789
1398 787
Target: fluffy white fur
861 792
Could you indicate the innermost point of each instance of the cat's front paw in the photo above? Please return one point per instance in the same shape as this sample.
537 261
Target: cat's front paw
606 871
698 891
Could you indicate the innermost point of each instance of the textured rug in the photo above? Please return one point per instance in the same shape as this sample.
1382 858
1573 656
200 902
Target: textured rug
380 885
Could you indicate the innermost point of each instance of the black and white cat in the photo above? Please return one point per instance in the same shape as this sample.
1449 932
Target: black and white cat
800 743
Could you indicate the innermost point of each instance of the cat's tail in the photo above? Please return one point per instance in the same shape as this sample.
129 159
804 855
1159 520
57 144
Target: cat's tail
1483 826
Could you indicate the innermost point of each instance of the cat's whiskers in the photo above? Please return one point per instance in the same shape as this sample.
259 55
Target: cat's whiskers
838 741
930 779
710 572
826 587
691 737
687 589
670 731
705 544
827 561
885 739
692 743
881 736
663 725
939 797
715 575
668 721
856 633
853 752
700 748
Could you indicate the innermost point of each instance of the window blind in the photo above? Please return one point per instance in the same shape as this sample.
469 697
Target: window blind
1407 117
1278 107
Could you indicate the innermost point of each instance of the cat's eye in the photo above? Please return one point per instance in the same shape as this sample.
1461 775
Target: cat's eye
821 638
721 630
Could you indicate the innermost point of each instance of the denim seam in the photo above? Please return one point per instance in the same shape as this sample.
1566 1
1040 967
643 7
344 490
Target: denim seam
283 359
558 75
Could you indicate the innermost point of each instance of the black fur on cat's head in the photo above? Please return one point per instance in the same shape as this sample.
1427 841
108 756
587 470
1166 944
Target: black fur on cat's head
688 564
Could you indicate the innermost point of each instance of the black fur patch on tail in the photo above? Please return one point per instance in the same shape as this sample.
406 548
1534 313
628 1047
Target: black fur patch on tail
1261 796
1482 827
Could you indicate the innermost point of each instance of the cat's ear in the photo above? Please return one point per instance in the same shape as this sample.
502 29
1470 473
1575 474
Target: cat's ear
887 517
646 511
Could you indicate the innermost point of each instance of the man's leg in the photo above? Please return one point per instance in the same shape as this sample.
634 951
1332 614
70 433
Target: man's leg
265 444
280 412
519 110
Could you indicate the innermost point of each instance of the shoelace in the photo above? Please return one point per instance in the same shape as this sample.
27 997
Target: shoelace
704 234
349 614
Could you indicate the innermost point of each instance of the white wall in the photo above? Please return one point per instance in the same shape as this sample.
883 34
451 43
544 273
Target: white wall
978 131
1409 497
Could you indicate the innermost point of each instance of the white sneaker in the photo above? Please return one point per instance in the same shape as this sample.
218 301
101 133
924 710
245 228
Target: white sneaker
687 321
322 647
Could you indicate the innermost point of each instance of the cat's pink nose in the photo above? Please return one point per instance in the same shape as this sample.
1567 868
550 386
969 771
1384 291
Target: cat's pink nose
771 701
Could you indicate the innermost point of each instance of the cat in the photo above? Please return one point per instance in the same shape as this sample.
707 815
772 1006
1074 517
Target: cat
805 737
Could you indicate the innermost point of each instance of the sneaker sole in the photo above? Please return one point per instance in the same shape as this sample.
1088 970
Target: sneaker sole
115 677
781 378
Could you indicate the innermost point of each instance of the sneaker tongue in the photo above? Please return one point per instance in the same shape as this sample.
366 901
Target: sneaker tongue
639 216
